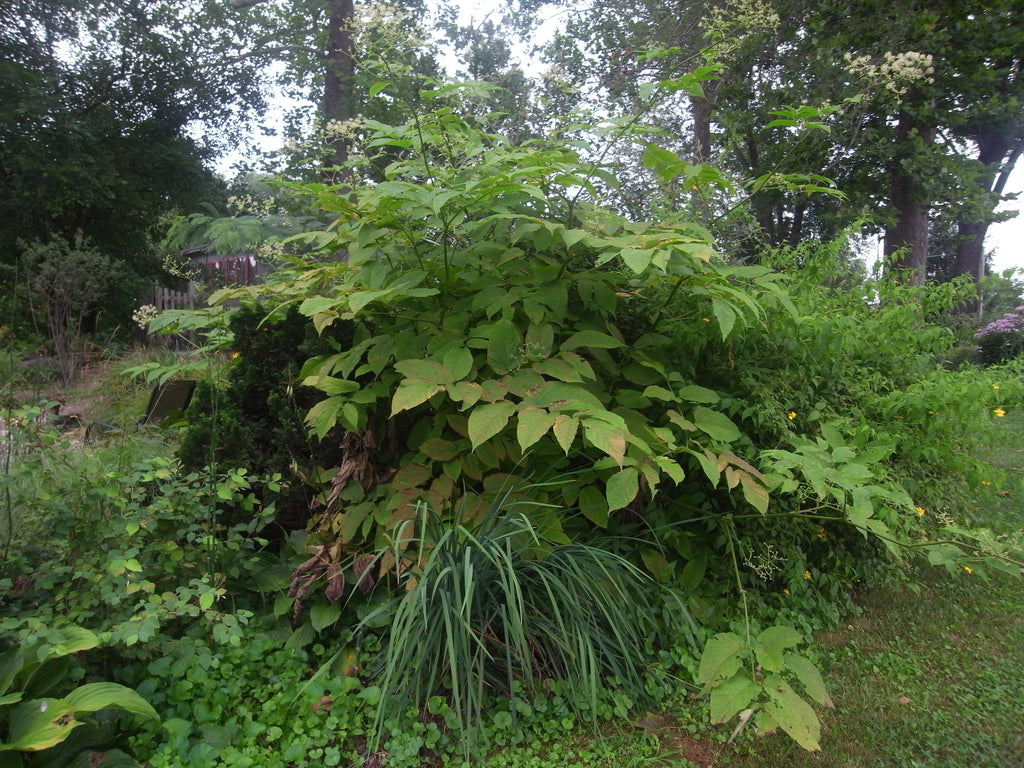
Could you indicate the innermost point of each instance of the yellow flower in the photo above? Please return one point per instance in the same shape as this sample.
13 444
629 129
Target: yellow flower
920 510
706 319
234 355
995 386
786 591
999 412
791 415
968 569
807 574
985 482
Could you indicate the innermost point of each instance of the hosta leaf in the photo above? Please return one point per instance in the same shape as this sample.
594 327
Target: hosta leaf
96 696
39 724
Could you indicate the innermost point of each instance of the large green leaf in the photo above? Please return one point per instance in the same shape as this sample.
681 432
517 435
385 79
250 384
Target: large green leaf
322 615
607 438
721 658
622 488
413 392
794 715
505 347
533 424
458 363
594 339
725 315
487 420
564 429
810 678
715 424
772 642
428 370
593 505
39 724
11 663
95 696
732 697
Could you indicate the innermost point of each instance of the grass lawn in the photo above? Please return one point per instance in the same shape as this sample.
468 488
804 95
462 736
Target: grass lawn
921 679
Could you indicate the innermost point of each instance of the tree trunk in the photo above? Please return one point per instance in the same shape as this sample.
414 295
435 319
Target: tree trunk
339 94
998 151
906 241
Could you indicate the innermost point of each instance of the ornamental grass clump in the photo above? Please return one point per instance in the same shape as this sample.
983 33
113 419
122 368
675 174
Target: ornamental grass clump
491 608
1002 339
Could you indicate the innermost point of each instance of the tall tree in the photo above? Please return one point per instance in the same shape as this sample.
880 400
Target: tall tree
935 129
111 110
330 53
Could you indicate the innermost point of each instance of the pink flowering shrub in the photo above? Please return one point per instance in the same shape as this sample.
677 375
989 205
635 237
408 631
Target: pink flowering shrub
1002 339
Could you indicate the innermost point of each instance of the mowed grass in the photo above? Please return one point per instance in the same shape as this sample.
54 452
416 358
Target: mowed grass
926 678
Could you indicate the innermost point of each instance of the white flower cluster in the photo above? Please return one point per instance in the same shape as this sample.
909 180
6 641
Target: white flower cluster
144 315
389 25
270 251
179 266
765 563
336 130
727 24
248 205
896 72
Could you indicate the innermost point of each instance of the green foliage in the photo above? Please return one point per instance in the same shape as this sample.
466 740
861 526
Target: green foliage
66 282
41 728
496 608
499 324
752 678
255 419
127 545
246 705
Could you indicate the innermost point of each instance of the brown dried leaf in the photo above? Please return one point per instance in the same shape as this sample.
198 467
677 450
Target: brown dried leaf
364 578
335 589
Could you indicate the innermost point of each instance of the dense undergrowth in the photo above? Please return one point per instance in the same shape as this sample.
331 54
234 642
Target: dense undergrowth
539 469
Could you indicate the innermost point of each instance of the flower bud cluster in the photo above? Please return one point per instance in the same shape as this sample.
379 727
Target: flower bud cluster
896 72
